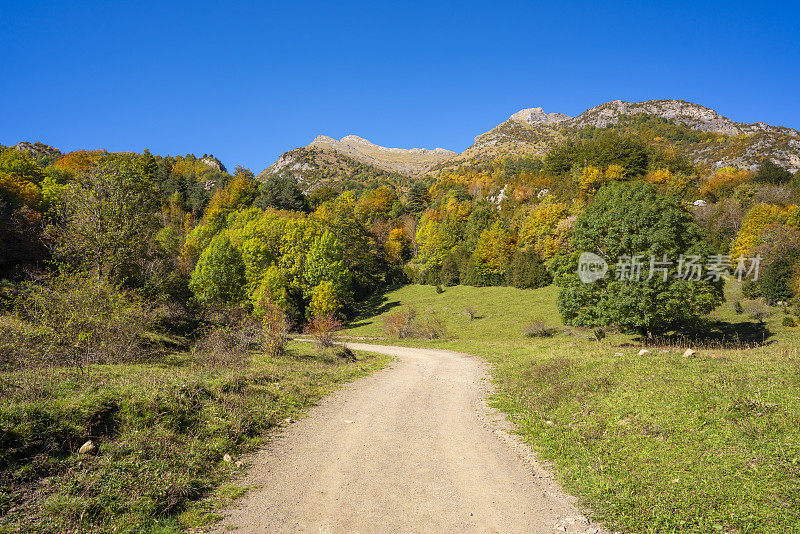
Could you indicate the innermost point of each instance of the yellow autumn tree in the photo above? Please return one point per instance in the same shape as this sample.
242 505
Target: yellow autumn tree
757 220
493 251
539 229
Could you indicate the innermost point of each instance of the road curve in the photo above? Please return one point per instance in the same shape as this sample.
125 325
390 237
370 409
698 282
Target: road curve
411 448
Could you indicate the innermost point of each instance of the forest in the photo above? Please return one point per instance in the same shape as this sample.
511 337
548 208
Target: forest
116 267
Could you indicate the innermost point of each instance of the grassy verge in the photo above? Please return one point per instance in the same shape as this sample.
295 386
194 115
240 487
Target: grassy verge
162 433
652 443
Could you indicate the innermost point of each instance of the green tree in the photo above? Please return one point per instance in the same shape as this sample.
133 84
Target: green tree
772 173
633 219
418 197
527 271
219 275
776 281
281 193
449 275
109 218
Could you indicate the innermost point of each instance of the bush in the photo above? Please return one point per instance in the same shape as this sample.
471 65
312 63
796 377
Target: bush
471 312
737 307
776 281
323 329
401 323
229 345
527 271
789 321
275 326
449 274
751 289
75 319
439 289
431 326
538 328
758 310
407 324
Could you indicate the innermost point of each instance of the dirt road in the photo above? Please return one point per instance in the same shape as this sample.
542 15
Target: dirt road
412 448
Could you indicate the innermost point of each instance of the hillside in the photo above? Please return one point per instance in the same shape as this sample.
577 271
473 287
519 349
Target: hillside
701 134
353 157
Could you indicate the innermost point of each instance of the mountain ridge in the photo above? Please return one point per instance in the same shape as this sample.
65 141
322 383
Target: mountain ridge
701 134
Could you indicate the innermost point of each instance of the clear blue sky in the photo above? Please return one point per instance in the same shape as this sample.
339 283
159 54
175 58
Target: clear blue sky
247 81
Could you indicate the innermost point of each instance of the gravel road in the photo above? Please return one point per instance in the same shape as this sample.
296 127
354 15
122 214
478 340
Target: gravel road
411 448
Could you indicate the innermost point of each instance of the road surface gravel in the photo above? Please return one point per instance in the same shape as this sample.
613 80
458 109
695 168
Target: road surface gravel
411 448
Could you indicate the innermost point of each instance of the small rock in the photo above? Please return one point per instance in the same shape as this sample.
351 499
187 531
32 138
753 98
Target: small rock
87 448
239 464
550 423
288 420
618 354
644 352
689 353
227 458
348 421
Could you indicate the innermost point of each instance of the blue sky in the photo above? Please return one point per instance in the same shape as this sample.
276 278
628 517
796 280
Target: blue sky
247 81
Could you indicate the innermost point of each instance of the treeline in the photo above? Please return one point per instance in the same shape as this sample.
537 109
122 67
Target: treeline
184 230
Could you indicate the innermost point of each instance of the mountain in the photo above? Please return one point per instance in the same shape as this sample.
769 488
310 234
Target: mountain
352 156
40 152
699 133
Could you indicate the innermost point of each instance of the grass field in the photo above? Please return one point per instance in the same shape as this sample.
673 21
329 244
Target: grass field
652 443
161 430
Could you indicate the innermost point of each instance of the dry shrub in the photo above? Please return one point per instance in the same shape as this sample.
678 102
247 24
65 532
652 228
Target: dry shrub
229 345
401 323
275 327
538 328
431 326
75 319
407 324
323 329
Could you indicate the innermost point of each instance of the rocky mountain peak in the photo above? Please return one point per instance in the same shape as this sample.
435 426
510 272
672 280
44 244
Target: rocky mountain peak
538 116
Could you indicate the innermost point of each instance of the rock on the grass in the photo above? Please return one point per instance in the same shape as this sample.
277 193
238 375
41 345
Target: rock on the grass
644 352
227 458
87 448
689 353
618 354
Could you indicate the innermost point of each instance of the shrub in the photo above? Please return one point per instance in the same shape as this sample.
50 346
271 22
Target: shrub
599 334
527 271
275 328
776 281
76 319
323 329
431 326
737 307
401 323
471 312
789 321
439 289
449 274
751 289
758 310
538 328
229 345
407 324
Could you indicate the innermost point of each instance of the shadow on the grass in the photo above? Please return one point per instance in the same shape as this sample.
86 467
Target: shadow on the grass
375 305
717 334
